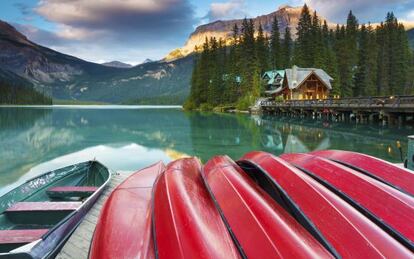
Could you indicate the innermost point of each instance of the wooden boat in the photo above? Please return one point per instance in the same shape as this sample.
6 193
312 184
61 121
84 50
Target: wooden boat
185 220
342 229
37 217
260 226
124 226
391 209
394 176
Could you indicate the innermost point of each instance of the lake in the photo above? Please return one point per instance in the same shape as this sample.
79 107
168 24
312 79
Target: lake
37 139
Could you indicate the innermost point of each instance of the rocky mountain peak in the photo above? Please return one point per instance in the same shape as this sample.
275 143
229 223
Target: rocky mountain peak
117 64
288 17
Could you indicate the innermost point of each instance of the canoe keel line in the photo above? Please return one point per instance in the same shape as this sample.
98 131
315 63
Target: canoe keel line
325 204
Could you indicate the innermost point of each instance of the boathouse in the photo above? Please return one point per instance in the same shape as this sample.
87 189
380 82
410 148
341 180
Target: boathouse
273 81
305 84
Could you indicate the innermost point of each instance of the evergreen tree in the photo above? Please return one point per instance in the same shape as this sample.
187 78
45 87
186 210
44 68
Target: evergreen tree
372 55
382 60
286 53
303 48
234 65
352 37
249 64
362 77
344 64
317 49
275 48
262 50
213 93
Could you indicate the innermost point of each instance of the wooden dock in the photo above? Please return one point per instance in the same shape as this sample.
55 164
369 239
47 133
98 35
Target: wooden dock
391 109
77 247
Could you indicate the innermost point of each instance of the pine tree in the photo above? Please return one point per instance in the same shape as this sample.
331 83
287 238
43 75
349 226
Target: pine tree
344 64
234 65
331 63
352 37
262 50
362 76
382 60
372 55
303 48
317 49
286 53
275 48
249 64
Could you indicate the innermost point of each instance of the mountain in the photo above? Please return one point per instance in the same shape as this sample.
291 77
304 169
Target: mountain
18 90
154 81
66 77
287 16
411 37
39 64
117 64
147 61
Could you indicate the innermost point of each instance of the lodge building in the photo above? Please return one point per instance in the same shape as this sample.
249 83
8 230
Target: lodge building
298 83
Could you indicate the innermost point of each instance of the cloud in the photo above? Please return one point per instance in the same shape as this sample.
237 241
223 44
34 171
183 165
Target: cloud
113 29
365 10
23 8
99 53
131 20
42 37
233 9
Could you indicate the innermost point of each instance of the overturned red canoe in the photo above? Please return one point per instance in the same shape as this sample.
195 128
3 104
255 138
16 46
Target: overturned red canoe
390 209
124 226
185 220
399 178
261 227
339 226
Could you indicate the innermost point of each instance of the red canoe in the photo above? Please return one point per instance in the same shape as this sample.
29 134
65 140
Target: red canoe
399 178
387 207
262 228
185 220
124 226
343 229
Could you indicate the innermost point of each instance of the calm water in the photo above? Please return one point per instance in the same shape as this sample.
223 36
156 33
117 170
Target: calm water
38 139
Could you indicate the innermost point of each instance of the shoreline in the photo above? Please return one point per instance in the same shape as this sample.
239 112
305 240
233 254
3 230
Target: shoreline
95 106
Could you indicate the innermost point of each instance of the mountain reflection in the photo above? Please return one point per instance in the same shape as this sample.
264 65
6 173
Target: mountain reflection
36 139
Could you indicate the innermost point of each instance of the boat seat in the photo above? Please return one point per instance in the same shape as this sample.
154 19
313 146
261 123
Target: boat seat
21 236
43 206
71 191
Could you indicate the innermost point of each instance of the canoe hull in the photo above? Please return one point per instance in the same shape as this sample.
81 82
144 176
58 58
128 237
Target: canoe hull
186 222
243 203
126 216
346 231
394 176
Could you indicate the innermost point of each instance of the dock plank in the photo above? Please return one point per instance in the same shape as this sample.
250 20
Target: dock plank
77 246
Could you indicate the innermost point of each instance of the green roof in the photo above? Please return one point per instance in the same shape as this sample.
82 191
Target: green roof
273 73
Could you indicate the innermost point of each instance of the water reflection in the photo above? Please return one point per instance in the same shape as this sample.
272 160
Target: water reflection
33 140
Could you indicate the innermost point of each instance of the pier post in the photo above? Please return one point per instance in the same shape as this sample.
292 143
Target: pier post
410 153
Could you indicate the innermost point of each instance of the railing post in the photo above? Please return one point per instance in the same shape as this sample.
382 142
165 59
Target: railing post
410 153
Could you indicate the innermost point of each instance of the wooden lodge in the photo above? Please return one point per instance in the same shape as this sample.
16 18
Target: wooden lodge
298 83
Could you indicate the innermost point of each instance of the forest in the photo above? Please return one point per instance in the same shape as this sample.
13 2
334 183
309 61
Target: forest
363 59
18 94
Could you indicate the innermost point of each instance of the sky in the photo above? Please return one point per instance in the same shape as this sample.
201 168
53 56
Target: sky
132 31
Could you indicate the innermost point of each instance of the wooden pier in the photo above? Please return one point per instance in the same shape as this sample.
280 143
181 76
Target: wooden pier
388 110
77 246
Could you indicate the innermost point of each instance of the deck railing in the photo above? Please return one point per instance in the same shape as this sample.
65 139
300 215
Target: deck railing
393 102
